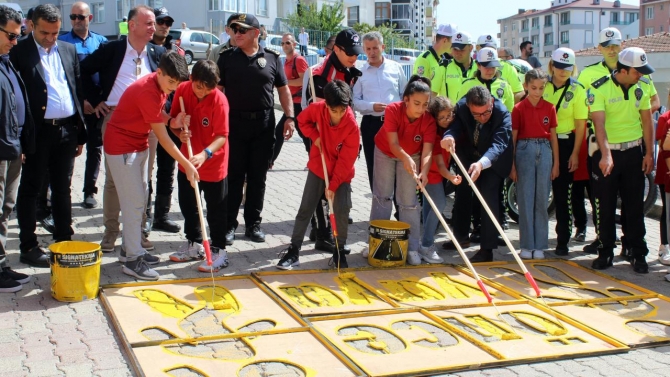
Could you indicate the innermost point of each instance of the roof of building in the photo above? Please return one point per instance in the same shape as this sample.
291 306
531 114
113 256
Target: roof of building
659 42
577 4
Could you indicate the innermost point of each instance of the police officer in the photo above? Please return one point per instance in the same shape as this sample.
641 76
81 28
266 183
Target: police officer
430 63
621 114
487 76
86 42
568 96
507 71
230 42
461 67
248 76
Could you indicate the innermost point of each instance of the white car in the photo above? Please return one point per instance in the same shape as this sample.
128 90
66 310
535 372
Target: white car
273 42
404 55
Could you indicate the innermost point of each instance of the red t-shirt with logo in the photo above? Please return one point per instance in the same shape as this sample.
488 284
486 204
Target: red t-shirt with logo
411 136
293 73
534 122
434 175
661 166
209 118
140 105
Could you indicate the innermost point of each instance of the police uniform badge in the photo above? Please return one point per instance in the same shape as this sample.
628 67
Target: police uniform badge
500 92
205 122
638 96
262 62
420 70
568 98
590 99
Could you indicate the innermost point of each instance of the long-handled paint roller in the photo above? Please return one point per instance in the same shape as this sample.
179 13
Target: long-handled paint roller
494 220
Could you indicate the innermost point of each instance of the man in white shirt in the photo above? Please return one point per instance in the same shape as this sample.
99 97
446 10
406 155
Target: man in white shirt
303 39
383 82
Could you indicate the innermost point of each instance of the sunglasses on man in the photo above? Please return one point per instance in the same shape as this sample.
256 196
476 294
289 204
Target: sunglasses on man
167 23
346 53
79 17
10 36
239 30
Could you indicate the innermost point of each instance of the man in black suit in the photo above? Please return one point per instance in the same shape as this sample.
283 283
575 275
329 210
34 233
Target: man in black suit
483 128
120 63
50 68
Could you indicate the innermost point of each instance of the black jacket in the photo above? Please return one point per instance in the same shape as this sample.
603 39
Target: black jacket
10 145
495 137
106 61
26 59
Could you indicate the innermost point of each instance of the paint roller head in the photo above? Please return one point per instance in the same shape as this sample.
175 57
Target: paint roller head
348 275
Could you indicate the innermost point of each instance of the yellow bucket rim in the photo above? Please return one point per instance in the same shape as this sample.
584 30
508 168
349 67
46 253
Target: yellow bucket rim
389 224
74 247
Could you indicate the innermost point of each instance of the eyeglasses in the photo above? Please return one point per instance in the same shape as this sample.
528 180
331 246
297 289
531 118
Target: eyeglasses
480 115
446 118
167 23
328 49
286 43
346 53
10 36
239 30
79 17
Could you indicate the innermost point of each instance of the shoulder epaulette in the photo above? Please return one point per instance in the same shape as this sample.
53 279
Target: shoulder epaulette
575 82
274 52
466 80
591 65
502 83
425 54
227 49
598 83
645 80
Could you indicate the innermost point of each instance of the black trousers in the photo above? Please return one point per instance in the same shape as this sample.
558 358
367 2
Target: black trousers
93 154
663 222
216 197
251 149
165 167
578 206
562 187
627 180
279 133
488 184
56 147
370 125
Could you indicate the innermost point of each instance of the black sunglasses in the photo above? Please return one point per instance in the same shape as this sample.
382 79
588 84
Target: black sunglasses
10 36
239 30
167 23
346 53
79 17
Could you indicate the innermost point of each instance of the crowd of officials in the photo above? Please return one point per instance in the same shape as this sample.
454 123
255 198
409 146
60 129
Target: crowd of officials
134 101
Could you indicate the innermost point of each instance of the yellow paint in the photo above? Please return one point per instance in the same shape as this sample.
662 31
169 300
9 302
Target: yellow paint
372 341
218 296
356 293
485 327
313 296
455 288
539 323
184 366
410 290
164 303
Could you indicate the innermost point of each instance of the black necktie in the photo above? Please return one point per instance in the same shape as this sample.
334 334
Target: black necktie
477 128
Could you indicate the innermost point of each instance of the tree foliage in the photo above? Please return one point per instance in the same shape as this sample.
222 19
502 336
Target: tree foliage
327 19
391 37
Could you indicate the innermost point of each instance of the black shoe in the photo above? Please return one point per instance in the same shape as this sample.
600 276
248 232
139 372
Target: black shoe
166 225
230 236
604 260
562 250
593 247
7 284
19 277
325 244
48 224
501 241
639 264
289 259
255 233
626 254
35 257
89 201
476 236
483 255
505 225
342 261
312 234
449 245
346 249
350 220
581 235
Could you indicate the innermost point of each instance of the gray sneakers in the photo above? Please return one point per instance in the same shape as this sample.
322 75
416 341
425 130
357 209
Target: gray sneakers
148 258
140 270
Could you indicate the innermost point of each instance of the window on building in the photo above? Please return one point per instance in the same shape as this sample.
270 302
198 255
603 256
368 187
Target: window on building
524 25
513 26
155 3
352 16
214 5
588 37
262 7
514 42
661 29
649 31
242 6
565 37
547 54
661 6
383 11
123 7
504 42
632 17
98 12
429 12
401 11
548 20
548 39
650 12
535 23
565 18
614 18
524 39
535 40
505 28
230 5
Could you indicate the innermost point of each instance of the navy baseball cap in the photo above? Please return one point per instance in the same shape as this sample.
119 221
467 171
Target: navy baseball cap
162 13
349 41
247 21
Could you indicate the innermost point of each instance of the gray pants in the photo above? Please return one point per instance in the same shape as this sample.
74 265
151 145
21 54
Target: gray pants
311 197
10 176
131 180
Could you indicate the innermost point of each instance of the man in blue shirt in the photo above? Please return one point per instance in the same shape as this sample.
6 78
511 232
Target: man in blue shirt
86 42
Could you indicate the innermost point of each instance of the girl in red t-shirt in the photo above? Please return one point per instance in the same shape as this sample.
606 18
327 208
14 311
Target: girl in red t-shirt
662 168
535 164
403 148
443 111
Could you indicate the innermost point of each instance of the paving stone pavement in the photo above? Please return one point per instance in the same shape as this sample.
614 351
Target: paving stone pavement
40 336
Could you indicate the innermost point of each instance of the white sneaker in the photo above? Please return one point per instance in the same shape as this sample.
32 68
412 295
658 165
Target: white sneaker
365 252
189 251
429 255
526 254
664 255
220 261
538 254
413 258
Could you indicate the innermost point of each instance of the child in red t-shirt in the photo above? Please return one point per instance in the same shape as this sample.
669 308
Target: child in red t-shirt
403 149
332 127
126 145
535 164
443 111
208 133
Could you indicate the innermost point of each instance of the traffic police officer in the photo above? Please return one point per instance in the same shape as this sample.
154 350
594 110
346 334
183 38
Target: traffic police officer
507 71
461 67
569 97
487 76
248 76
431 63
621 114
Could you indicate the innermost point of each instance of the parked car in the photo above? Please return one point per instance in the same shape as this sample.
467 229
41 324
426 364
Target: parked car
404 55
274 42
194 42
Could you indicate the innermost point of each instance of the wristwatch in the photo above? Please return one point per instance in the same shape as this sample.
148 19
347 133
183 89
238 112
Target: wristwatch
291 118
209 153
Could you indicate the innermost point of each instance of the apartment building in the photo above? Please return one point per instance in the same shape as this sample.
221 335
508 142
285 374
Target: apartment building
654 16
567 23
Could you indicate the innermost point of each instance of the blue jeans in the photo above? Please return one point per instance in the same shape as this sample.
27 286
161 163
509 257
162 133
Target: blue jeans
533 168
389 171
430 218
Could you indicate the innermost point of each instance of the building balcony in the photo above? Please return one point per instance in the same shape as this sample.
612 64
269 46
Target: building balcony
536 27
549 43
524 30
566 22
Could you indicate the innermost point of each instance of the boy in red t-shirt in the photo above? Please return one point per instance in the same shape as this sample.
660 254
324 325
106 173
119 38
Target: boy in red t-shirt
208 132
331 125
126 146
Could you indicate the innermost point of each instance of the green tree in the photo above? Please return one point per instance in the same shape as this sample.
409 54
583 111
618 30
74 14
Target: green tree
391 37
328 19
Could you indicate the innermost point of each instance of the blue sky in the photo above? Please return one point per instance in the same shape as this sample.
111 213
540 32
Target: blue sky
479 17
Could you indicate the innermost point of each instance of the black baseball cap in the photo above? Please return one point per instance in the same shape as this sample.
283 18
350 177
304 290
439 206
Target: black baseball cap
162 13
232 18
349 41
247 21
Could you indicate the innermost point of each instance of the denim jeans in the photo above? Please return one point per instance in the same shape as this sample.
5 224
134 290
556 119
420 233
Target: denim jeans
533 167
430 218
389 171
